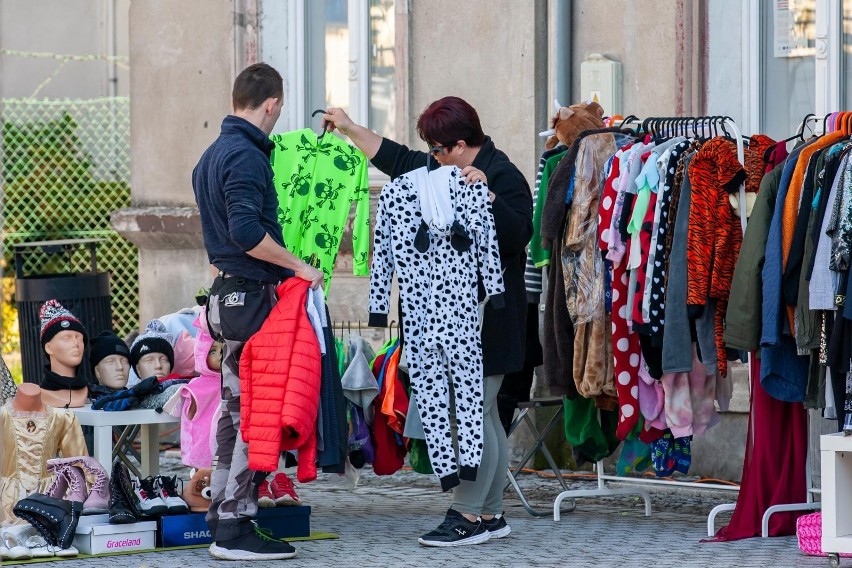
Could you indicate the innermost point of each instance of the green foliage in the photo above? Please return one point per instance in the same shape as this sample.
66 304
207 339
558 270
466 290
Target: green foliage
65 169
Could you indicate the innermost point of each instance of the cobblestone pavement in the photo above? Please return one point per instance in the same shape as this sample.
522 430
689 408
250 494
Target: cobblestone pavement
379 521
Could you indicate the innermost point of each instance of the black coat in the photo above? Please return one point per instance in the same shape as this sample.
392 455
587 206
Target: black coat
504 331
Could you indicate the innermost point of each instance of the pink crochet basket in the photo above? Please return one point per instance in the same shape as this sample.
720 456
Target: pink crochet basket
809 533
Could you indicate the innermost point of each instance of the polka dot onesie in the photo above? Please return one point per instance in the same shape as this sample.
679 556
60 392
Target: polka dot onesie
439 258
625 343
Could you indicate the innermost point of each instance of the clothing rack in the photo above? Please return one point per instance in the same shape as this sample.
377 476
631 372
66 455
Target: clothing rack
698 127
391 331
820 127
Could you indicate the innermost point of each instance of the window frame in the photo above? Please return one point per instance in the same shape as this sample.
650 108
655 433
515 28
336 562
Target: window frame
283 41
828 60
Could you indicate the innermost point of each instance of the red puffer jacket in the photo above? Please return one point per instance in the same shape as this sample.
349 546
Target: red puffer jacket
280 370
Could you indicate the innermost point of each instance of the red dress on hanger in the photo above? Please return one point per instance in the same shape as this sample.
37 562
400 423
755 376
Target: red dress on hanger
774 465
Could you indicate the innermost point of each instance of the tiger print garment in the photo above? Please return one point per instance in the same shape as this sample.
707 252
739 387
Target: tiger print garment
715 234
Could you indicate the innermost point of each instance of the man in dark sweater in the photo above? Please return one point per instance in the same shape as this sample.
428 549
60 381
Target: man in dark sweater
237 202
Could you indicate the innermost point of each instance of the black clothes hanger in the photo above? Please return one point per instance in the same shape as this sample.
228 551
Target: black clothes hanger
324 123
723 123
631 118
681 126
805 120
800 132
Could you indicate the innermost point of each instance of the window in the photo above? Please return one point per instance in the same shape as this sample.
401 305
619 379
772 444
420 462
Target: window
787 65
845 32
333 53
797 58
382 68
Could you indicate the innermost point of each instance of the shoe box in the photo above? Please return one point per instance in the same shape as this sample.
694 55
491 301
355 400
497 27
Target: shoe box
282 522
290 521
184 530
94 535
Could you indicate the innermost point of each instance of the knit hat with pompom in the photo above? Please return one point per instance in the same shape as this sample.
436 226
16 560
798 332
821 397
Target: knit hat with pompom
55 318
155 339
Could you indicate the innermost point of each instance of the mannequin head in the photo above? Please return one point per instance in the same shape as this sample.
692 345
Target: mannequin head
113 371
109 358
214 356
152 353
65 351
63 338
28 398
153 364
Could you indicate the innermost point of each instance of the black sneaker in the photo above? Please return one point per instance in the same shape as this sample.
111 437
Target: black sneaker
497 527
257 545
456 531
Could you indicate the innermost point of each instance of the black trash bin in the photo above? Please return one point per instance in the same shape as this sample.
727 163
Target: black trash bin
84 294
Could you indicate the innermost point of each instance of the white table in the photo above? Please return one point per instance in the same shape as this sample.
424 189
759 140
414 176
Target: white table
103 421
836 461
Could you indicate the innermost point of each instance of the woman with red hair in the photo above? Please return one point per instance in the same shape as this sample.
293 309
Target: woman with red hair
451 129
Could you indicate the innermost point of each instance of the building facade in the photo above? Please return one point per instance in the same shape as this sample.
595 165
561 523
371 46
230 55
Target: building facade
765 64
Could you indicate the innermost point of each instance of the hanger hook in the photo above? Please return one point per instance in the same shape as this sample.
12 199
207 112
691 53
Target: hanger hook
324 123
722 121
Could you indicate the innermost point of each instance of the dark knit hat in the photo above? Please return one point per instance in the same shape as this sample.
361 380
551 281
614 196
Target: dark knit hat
155 339
103 345
55 318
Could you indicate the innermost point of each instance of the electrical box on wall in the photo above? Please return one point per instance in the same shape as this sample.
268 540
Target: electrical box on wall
600 81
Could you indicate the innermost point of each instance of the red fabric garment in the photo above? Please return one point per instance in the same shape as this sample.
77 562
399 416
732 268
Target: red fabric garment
757 155
389 455
607 204
774 465
280 374
626 355
395 403
777 155
642 272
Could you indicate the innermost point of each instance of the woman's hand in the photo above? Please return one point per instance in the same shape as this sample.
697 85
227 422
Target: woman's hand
473 175
365 139
337 118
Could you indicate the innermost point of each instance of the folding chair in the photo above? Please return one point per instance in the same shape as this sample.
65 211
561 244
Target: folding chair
124 445
524 416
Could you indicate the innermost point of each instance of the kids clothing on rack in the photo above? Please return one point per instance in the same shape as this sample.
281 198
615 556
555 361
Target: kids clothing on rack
659 249
331 421
440 248
389 449
582 269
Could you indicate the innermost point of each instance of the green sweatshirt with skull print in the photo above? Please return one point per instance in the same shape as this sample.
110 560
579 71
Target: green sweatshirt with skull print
317 180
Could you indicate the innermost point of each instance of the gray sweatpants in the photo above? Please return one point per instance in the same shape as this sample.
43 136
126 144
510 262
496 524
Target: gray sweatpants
233 484
485 495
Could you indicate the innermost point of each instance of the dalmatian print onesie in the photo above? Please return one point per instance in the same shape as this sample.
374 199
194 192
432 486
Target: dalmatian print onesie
437 232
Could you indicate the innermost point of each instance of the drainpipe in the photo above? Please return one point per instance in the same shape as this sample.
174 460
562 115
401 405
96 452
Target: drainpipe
561 50
112 70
